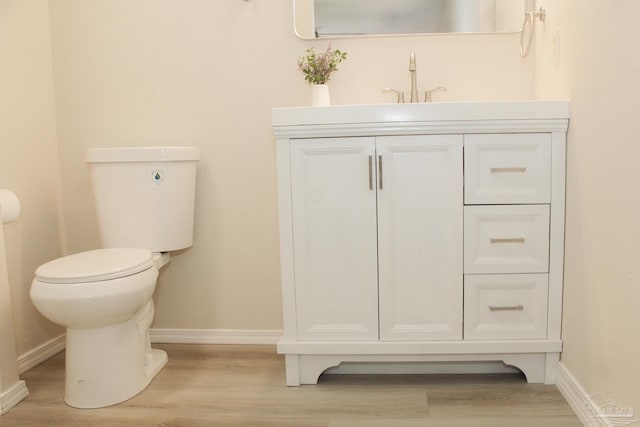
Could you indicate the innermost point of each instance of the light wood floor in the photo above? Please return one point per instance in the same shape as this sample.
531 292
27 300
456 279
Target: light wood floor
207 385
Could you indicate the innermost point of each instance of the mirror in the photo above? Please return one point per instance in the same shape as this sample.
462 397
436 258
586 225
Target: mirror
341 18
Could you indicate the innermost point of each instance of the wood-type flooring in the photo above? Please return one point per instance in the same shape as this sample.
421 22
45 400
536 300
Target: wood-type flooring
244 385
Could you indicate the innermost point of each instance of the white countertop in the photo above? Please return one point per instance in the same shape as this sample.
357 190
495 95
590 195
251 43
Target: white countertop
422 112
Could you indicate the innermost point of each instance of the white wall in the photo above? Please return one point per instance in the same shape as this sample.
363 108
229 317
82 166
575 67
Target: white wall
28 158
207 73
597 68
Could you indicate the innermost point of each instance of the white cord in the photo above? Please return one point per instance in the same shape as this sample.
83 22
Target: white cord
528 22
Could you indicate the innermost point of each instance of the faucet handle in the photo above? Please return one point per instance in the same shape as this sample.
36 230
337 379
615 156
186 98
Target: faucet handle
427 93
399 93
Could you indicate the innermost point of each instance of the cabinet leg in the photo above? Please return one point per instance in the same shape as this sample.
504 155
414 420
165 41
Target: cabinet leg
532 365
551 369
306 369
312 366
292 365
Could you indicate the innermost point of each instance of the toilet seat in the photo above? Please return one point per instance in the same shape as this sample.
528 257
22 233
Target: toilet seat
95 266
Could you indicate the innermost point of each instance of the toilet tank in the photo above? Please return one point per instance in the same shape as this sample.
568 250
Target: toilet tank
144 196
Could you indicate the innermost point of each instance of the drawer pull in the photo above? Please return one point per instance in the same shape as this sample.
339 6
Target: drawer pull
509 170
508 240
518 307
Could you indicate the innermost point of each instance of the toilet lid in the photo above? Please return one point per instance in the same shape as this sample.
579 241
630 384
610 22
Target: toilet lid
94 266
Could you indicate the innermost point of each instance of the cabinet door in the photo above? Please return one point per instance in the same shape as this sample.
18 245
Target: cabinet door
334 238
420 222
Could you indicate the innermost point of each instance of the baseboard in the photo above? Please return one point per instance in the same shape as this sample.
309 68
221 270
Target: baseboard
167 336
13 396
39 354
574 394
592 409
215 336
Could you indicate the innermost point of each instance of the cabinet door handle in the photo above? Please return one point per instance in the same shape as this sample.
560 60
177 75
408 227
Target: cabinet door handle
380 171
507 170
518 307
508 240
370 172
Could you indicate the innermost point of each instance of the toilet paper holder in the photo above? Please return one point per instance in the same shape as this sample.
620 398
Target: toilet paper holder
9 206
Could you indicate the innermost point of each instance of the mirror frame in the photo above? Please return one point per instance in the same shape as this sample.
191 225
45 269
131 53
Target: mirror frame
302 4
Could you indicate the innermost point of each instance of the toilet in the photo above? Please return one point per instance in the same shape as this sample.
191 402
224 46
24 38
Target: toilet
145 198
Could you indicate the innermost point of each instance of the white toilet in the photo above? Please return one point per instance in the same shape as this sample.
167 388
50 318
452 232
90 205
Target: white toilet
145 203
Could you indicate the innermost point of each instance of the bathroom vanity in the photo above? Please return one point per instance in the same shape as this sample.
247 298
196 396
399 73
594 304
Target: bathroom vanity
422 233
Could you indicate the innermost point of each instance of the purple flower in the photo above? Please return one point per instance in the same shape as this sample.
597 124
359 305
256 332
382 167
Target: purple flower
317 68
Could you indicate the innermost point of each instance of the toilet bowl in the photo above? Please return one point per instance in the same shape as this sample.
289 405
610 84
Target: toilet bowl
103 298
145 203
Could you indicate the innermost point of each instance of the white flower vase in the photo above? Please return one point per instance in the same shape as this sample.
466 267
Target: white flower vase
320 96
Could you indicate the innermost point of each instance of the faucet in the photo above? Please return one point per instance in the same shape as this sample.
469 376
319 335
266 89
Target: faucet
414 85
414 82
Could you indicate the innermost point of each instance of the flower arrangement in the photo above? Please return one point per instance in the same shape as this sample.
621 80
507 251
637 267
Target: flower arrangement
317 67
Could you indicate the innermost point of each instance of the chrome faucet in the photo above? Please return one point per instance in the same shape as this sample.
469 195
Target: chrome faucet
414 85
414 80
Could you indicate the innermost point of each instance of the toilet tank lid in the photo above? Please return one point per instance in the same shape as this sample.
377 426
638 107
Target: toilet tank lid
96 265
142 154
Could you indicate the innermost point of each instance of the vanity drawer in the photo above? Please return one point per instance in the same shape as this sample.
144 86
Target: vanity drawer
506 239
507 168
505 306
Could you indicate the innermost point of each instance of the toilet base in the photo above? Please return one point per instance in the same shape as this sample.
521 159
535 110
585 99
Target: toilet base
109 365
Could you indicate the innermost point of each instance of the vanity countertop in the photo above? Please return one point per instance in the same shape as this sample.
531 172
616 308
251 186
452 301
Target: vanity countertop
420 113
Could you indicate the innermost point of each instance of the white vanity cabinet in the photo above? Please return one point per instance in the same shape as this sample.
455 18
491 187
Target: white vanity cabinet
421 233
